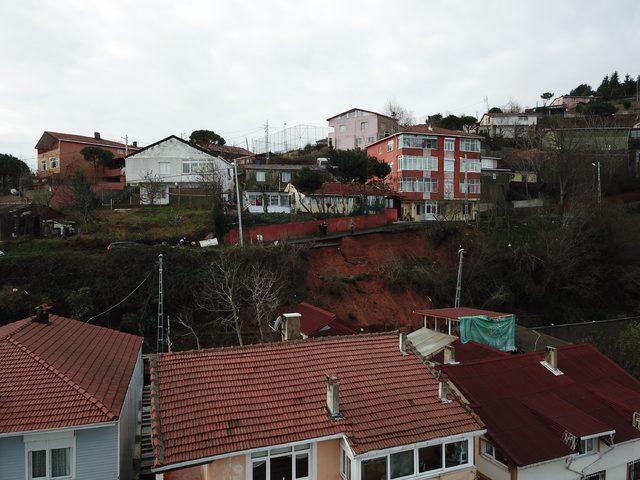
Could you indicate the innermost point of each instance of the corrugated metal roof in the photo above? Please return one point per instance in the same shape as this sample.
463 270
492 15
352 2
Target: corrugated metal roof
429 342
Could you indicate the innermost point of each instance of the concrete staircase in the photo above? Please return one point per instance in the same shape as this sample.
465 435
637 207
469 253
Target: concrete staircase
146 449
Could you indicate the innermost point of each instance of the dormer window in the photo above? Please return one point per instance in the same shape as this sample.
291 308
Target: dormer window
590 445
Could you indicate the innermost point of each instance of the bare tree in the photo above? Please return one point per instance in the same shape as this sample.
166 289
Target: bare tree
222 292
80 198
152 188
185 319
210 180
512 106
265 288
403 116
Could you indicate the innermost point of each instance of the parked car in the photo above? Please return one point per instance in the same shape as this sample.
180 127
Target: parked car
121 245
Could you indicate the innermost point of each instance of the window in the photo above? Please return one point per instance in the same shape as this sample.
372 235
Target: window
286 177
50 457
54 162
401 464
633 470
488 450
449 144
469 145
409 162
164 168
589 445
358 141
195 166
255 199
287 463
417 141
470 165
121 150
456 453
274 200
374 469
597 476
473 186
371 139
429 458
261 176
43 165
432 208
364 125
343 128
345 465
523 118
389 145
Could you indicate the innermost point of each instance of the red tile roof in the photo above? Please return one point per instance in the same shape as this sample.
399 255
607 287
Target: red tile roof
470 352
527 408
317 322
349 189
218 401
457 312
70 137
62 374
439 131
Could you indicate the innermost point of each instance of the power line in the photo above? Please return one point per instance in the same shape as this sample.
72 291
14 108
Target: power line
121 301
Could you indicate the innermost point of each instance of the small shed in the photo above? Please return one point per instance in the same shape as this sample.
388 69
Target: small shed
25 219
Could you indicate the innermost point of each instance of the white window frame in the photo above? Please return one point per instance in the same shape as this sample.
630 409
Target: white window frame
287 175
164 168
470 145
431 473
342 128
634 464
411 162
449 144
261 176
291 450
474 186
346 464
490 455
195 166
48 442
431 208
417 141
470 165
364 126
588 451
54 162
43 165
390 145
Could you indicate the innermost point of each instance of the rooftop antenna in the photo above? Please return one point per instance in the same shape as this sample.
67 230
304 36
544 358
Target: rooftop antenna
486 102
266 141
160 340
459 282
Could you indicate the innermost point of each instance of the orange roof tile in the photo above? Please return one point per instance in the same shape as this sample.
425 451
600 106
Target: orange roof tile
211 402
64 373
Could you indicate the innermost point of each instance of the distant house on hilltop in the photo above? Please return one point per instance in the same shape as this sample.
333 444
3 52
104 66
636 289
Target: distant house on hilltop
69 400
359 128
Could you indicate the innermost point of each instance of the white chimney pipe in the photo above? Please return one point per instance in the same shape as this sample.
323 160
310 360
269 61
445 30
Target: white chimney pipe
333 397
449 354
403 343
291 326
550 361
443 388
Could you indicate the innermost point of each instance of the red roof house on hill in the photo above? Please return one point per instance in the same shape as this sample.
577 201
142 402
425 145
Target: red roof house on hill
318 322
356 406
571 411
66 385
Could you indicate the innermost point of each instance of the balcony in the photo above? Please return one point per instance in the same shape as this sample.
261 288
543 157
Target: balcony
112 172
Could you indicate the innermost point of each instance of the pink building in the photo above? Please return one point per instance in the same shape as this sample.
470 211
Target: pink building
357 128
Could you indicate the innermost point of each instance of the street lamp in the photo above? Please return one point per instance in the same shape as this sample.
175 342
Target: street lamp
597 166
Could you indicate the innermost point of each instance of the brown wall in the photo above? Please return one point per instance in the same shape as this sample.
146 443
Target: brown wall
328 459
232 468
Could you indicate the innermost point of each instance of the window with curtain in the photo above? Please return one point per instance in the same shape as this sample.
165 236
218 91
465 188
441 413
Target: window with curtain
49 459
38 467
401 464
286 463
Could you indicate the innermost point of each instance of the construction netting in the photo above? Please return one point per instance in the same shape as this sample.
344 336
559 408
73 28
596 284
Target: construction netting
499 333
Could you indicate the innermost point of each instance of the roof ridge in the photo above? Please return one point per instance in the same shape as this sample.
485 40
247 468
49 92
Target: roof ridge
18 328
280 344
156 427
92 400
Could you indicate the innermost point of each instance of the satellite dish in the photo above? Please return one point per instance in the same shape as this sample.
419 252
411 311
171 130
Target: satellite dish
13 191
276 325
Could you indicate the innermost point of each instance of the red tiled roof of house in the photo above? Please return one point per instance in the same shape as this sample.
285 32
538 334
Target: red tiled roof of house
62 374
220 401
349 189
470 352
70 137
439 131
457 312
317 322
527 408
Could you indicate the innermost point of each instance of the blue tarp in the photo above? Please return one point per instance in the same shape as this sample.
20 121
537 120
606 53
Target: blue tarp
498 333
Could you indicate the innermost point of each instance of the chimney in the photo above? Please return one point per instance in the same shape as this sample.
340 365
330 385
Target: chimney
333 397
42 313
135 144
443 388
291 326
403 343
96 135
551 360
449 354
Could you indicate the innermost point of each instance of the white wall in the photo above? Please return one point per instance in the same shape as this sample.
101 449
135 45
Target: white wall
128 422
613 461
174 152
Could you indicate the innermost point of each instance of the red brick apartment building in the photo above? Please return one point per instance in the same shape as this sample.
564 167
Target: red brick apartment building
436 171
59 157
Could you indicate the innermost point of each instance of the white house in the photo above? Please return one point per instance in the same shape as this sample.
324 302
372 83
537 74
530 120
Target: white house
565 414
507 125
171 163
70 397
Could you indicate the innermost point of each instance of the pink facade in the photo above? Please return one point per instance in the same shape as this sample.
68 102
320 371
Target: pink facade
359 128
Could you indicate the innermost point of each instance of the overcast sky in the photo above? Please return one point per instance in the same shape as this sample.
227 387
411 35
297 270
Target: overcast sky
154 68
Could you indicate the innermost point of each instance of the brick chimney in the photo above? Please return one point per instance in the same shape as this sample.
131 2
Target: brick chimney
135 144
443 388
291 326
449 354
42 313
96 135
333 397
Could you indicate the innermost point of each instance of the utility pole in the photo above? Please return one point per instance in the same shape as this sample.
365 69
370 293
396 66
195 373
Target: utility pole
160 339
466 188
599 180
266 141
235 172
459 282
284 135
168 334
126 145
638 89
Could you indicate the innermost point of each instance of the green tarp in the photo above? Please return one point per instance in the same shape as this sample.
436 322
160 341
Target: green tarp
498 333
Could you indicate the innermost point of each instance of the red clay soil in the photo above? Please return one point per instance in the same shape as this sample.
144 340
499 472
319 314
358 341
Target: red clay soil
366 301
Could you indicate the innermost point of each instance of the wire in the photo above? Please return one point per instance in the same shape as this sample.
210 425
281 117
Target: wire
121 301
